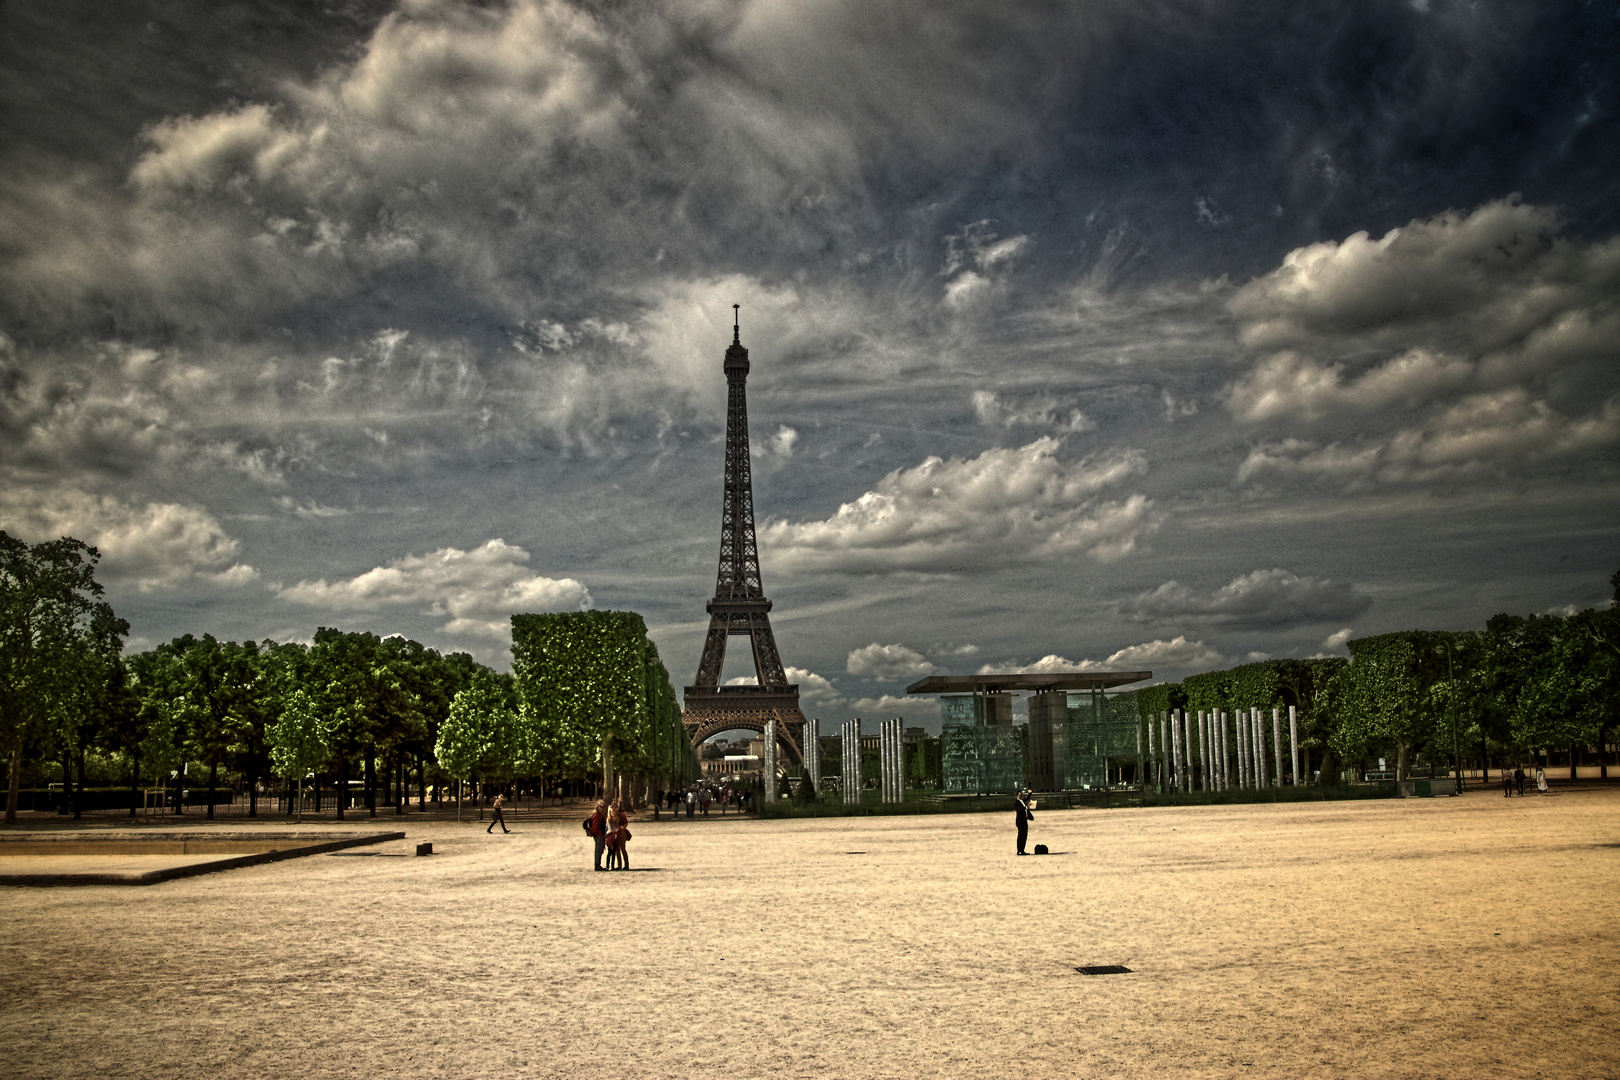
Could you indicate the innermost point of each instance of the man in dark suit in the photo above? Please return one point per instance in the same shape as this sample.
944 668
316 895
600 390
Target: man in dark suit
1022 814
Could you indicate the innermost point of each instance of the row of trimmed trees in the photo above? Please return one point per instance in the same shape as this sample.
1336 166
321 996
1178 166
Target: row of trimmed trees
593 703
1519 688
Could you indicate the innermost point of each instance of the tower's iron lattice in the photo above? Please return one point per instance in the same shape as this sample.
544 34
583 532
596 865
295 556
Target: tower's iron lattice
739 607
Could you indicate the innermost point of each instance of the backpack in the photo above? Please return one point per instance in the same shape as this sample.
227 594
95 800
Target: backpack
1040 849
588 826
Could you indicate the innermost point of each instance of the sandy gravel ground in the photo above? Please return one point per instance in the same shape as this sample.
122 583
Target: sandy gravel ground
1426 938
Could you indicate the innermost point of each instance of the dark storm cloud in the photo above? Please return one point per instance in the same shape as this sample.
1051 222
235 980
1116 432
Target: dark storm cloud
413 311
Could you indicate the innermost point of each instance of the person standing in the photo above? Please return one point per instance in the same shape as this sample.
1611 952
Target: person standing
1507 782
1022 815
1518 778
499 818
1541 779
598 830
691 803
620 821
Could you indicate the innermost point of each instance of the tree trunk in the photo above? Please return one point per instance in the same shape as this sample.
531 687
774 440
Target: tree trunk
65 807
421 784
180 789
78 790
253 794
134 782
1603 757
14 781
343 785
371 780
213 776
1400 761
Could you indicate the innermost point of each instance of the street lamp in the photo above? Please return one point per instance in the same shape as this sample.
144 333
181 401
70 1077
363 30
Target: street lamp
1451 697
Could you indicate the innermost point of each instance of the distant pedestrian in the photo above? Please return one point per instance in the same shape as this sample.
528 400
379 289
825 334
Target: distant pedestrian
499 818
705 799
1022 815
691 803
1518 778
1507 783
596 826
1541 779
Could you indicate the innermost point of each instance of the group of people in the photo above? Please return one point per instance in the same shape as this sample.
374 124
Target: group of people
609 826
699 798
1514 781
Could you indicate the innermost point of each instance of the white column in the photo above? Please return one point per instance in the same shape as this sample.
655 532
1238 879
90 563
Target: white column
1164 751
1260 748
1187 732
812 753
1150 770
1244 732
890 761
1228 776
770 761
1257 749
852 761
1276 746
1217 719
1293 745
1178 774
1203 747
1237 752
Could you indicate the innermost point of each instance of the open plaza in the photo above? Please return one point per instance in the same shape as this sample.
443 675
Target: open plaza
1465 936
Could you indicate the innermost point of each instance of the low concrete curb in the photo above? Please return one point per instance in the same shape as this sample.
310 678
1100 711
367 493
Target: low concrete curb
99 844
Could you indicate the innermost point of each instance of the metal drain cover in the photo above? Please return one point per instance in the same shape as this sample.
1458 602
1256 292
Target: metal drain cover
1104 969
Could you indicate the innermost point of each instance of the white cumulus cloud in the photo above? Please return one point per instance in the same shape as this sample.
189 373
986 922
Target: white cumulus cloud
151 545
1043 411
478 590
1178 654
814 690
891 662
949 514
911 708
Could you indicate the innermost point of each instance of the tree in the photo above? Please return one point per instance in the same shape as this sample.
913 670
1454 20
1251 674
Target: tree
598 697
298 743
1383 697
53 624
478 733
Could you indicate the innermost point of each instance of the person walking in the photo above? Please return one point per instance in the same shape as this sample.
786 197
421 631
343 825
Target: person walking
1022 815
597 827
1518 778
1507 783
499 818
1541 779
691 803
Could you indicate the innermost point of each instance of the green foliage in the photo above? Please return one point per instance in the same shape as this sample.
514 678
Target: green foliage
59 645
298 740
480 737
590 683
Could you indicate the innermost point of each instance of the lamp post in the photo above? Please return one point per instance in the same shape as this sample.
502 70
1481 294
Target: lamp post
1451 698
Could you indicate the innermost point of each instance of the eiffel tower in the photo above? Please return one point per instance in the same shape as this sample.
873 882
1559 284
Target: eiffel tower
739 607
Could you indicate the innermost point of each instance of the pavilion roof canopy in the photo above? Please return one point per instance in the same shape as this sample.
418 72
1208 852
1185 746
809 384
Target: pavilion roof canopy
1001 682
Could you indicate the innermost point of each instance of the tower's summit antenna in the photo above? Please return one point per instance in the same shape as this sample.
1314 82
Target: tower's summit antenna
736 324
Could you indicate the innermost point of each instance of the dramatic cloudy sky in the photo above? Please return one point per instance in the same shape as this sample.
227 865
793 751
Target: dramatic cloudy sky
1143 334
